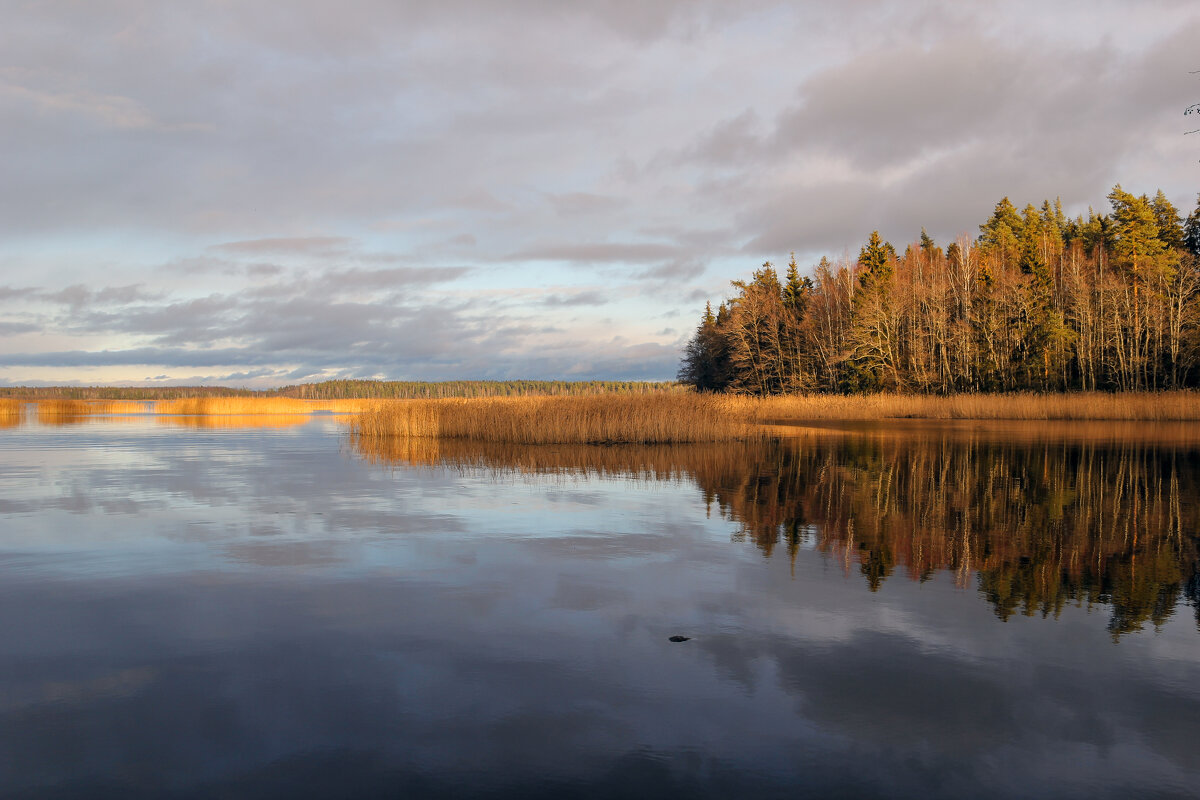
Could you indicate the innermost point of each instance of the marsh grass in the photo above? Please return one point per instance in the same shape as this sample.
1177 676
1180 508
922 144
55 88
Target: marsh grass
70 412
603 419
1144 406
11 412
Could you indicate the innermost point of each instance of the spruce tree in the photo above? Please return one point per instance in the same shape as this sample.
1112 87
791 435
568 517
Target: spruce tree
705 364
875 260
1191 231
1170 226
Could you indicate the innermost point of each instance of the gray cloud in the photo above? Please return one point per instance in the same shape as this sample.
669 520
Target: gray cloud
369 168
587 298
307 245
602 252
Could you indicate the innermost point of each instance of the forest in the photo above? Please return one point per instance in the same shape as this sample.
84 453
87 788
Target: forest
1036 302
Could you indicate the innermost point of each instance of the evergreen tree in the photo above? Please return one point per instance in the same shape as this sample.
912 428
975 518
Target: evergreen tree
705 363
875 260
1191 231
1136 229
1170 226
796 290
1002 232
928 246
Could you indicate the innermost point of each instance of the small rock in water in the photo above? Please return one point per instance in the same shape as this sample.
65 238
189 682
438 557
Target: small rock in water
679 639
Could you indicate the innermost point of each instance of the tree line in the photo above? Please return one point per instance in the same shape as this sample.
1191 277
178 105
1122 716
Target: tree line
1037 301
348 388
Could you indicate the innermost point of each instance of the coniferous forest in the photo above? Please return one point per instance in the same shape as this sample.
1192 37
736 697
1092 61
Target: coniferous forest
1037 301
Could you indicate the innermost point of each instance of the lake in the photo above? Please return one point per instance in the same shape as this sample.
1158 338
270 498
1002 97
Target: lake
267 607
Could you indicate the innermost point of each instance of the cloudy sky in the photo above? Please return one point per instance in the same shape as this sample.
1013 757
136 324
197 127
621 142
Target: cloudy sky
265 193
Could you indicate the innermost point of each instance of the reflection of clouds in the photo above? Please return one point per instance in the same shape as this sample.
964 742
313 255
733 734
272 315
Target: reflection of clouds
465 631
283 554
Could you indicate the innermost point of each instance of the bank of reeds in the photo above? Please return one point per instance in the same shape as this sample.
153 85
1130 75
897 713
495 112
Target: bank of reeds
10 413
1143 406
61 412
603 419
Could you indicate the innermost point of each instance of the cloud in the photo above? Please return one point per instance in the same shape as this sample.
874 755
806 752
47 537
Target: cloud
602 252
219 164
305 245
16 328
587 298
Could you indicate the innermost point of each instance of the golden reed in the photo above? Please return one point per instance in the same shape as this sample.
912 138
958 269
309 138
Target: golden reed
602 419
64 412
10 413
1147 406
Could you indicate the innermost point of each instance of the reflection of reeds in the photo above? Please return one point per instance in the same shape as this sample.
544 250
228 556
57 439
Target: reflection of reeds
230 421
653 461
961 431
204 406
1182 405
62 412
72 412
604 419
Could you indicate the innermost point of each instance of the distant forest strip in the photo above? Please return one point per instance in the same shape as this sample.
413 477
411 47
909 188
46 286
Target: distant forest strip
1037 302
348 389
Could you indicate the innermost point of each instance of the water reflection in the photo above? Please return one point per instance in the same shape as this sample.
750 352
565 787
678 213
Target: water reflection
277 611
233 421
1036 516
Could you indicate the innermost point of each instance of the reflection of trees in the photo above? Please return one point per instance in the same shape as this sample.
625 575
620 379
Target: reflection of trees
1042 522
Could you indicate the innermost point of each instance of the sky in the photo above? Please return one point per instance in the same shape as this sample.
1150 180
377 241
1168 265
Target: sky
267 193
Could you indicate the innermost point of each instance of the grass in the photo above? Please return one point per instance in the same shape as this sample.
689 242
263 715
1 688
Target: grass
10 413
604 419
59 412
1147 406
689 417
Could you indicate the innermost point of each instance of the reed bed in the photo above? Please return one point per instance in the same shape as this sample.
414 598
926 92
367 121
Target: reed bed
604 419
1136 406
11 412
50 408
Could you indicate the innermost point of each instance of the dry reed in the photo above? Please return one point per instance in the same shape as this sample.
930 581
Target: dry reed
11 412
1143 406
603 419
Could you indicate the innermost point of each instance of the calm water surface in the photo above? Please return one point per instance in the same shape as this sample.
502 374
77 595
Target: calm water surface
916 610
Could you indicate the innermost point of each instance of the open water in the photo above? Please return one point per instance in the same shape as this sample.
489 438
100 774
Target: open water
891 610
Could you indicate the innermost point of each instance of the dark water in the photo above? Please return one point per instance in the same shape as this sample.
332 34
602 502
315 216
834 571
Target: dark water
280 611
